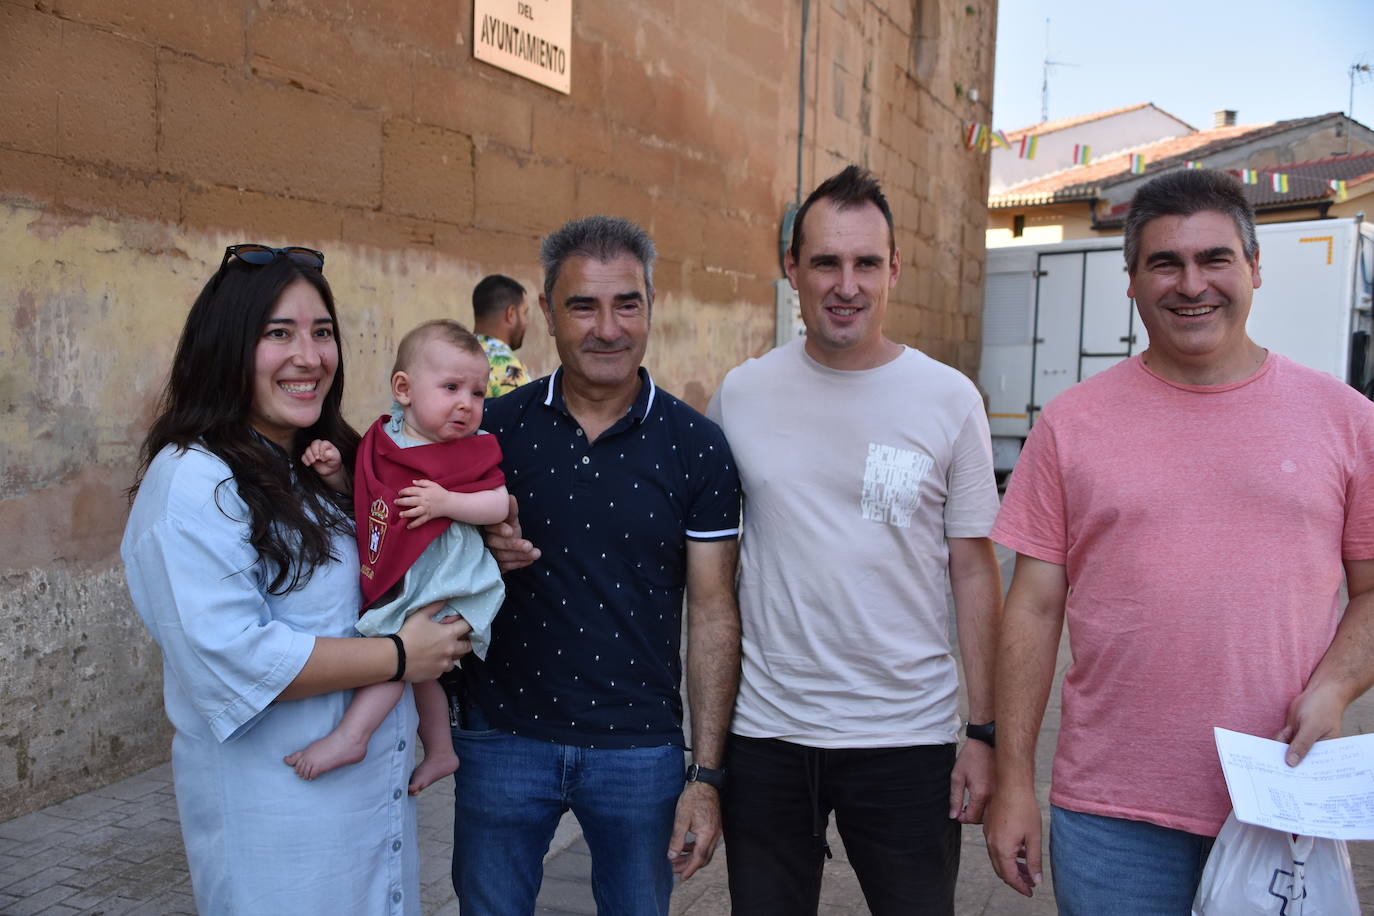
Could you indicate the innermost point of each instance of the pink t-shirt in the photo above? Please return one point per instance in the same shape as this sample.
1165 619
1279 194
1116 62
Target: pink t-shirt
1202 531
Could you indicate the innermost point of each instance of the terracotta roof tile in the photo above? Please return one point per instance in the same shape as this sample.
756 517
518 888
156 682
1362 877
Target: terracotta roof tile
1049 127
1087 182
1307 181
1307 184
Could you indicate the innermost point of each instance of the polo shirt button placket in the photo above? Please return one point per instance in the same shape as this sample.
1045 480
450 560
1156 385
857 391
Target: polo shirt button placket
582 470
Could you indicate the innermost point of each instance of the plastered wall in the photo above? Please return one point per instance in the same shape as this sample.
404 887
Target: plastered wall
139 137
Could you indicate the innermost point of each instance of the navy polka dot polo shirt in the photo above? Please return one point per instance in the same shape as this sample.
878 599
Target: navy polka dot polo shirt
585 650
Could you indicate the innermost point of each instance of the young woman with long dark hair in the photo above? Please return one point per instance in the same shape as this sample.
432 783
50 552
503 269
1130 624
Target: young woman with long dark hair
243 565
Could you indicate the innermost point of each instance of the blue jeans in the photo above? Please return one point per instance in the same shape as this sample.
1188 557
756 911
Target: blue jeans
510 793
1130 868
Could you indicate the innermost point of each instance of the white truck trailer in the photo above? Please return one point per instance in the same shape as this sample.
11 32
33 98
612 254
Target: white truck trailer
1055 314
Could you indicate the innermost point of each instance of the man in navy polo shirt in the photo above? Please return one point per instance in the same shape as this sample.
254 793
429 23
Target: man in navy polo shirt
631 497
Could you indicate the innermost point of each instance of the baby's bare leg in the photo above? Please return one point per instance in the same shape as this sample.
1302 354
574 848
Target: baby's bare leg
440 759
347 743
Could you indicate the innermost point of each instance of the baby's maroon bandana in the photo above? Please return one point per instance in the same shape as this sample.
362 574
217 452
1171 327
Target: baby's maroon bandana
386 547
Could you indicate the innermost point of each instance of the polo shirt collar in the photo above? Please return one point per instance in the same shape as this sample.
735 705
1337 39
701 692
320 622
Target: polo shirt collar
639 410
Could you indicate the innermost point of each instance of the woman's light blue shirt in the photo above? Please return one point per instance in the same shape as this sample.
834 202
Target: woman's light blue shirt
260 839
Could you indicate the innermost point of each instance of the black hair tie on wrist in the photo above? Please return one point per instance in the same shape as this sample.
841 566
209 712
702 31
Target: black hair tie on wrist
400 656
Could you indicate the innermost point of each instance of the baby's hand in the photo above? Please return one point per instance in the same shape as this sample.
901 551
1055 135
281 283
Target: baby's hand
423 502
324 459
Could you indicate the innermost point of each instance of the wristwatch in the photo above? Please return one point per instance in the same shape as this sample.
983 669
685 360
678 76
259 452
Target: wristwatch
986 733
710 777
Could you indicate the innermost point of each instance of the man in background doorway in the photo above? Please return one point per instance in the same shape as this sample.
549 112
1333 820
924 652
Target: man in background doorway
500 313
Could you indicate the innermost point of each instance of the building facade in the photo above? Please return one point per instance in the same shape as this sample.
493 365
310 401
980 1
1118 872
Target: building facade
1065 201
139 137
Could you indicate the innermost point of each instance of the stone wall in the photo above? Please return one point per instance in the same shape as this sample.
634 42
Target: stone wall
139 137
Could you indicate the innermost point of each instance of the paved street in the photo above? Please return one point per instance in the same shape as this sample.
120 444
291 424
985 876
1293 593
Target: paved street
118 851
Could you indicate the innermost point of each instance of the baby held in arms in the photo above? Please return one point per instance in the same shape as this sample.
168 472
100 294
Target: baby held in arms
425 477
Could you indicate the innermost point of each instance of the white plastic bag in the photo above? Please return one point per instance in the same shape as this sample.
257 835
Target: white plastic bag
1254 870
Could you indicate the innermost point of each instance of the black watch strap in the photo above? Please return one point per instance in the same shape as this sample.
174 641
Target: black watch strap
710 777
986 733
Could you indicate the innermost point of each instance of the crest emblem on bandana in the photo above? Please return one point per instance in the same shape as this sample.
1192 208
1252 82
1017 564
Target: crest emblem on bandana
376 529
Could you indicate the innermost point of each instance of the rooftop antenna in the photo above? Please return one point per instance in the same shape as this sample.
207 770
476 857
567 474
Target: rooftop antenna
1045 78
1361 72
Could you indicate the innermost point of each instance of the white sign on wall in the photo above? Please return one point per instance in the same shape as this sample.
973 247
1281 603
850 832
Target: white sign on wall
530 38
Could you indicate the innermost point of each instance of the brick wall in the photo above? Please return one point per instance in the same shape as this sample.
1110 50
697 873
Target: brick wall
138 137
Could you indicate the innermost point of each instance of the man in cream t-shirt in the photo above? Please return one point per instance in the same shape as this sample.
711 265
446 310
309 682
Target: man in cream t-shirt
867 478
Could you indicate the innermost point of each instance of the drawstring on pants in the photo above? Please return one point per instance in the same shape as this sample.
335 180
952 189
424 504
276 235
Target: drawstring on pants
813 758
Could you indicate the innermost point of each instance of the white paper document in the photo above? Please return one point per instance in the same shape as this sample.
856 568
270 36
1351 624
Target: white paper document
1329 794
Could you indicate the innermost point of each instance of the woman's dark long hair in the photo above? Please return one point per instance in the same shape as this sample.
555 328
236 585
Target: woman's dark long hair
207 401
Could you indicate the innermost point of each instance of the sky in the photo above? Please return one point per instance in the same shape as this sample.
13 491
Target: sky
1269 59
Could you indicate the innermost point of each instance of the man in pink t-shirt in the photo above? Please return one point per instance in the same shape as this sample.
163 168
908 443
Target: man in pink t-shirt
1191 513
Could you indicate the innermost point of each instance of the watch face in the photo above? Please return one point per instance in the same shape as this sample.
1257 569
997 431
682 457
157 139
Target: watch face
986 733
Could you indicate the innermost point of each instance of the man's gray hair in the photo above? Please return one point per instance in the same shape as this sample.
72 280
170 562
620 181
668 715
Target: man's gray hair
601 238
1185 192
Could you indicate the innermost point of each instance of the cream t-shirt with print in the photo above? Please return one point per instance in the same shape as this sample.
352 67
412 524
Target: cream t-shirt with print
852 482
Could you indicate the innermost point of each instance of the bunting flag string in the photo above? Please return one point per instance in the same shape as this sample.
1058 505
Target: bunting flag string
1281 182
976 136
982 137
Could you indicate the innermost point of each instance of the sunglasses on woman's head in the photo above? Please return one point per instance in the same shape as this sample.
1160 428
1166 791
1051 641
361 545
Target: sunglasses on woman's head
258 255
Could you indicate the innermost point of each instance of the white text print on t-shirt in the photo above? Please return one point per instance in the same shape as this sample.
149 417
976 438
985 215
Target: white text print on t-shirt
892 483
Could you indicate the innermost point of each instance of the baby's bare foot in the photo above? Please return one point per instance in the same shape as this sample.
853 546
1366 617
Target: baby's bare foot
332 751
432 769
